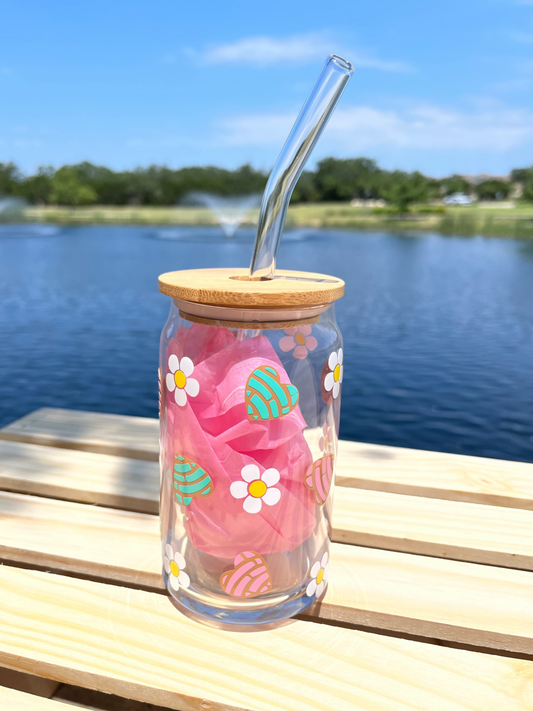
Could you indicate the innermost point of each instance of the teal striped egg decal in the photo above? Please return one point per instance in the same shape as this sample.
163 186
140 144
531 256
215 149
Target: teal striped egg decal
190 480
266 398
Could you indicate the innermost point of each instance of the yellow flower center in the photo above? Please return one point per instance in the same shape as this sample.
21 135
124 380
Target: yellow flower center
257 489
180 379
300 339
320 576
174 569
337 373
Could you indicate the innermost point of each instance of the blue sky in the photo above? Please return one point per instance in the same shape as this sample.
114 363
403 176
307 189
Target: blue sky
440 87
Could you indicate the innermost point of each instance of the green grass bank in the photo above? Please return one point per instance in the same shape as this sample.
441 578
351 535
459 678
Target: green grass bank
474 220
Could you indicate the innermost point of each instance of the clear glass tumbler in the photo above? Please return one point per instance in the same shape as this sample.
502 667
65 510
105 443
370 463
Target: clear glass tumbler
250 381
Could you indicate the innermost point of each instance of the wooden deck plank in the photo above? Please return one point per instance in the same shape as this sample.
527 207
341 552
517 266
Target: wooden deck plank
27 683
13 700
366 466
477 533
135 644
102 479
133 437
418 472
68 537
483 606
459 530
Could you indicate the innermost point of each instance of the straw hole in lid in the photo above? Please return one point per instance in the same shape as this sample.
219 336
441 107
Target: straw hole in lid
313 280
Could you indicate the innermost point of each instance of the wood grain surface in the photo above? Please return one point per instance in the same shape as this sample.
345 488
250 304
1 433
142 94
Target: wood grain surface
434 474
483 606
450 529
135 644
105 623
368 466
232 287
102 543
129 484
120 435
447 529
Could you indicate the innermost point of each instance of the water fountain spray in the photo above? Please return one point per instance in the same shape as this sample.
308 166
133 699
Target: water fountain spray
12 209
230 211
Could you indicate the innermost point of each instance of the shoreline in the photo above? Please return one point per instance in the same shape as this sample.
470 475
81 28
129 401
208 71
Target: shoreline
465 221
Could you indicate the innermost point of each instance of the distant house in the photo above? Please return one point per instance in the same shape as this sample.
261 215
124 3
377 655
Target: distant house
457 199
358 202
484 177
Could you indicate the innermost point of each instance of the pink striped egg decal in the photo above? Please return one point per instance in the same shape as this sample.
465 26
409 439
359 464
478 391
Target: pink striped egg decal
319 477
249 577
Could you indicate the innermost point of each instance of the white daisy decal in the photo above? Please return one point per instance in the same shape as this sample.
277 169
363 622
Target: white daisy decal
179 379
299 340
326 442
333 379
319 577
174 564
256 488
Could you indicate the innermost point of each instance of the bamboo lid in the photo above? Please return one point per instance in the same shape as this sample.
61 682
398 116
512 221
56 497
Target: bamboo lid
233 288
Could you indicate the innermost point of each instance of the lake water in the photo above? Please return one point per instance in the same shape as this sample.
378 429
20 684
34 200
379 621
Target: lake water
438 330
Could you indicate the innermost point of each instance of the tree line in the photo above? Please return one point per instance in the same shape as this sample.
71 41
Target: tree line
333 180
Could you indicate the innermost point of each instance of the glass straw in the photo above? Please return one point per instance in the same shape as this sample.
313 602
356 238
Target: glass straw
310 123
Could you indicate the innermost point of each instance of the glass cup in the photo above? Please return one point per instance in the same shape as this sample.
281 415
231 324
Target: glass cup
250 406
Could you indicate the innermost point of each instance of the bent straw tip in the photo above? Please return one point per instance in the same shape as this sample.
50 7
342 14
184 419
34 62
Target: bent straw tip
341 63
